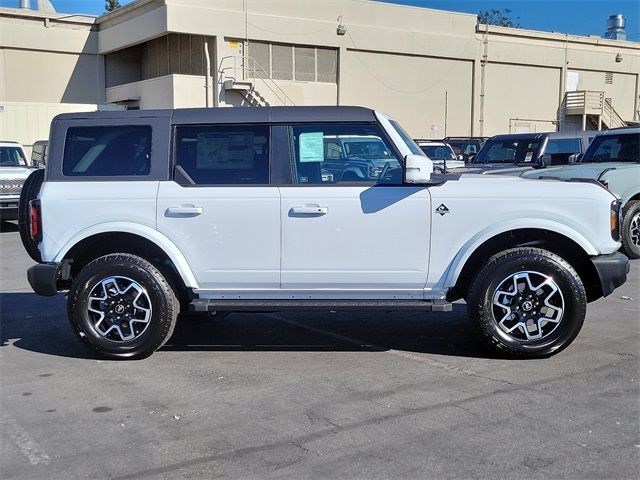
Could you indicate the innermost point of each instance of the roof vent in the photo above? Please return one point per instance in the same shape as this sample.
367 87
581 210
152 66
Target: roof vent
615 28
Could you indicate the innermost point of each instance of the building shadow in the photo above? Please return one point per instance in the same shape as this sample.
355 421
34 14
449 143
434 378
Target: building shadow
39 324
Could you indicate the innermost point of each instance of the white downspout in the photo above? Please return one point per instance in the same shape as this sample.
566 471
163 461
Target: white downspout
207 73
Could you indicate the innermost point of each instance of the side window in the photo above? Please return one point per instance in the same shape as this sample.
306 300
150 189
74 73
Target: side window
343 153
224 154
107 151
561 149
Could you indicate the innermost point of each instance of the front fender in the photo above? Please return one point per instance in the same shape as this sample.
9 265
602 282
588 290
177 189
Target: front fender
451 274
144 231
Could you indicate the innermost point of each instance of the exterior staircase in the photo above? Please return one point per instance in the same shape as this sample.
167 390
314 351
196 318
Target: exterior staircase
243 75
588 110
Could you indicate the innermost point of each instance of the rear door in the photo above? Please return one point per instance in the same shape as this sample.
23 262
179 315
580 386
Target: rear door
220 208
360 235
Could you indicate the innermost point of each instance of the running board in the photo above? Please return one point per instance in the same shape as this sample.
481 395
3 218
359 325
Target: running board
214 305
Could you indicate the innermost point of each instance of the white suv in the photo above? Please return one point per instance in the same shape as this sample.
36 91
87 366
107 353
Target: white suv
144 213
14 170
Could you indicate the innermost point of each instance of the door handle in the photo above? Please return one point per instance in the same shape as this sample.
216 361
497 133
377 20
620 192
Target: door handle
316 210
184 211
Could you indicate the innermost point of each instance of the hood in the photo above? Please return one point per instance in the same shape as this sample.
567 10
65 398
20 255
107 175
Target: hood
15 172
587 170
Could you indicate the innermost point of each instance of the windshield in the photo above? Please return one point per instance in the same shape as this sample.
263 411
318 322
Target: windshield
12 157
613 148
366 149
466 148
438 152
508 151
415 149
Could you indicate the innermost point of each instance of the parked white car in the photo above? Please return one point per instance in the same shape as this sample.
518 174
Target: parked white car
14 170
440 153
144 213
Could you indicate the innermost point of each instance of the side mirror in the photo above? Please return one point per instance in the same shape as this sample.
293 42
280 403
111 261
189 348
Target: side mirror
460 157
471 159
417 169
545 160
574 158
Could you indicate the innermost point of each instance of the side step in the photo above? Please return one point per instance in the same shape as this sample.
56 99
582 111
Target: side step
215 305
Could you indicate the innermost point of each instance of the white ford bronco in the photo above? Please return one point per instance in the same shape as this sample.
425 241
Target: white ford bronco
142 214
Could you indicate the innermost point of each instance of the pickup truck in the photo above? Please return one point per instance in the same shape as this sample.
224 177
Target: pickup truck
140 215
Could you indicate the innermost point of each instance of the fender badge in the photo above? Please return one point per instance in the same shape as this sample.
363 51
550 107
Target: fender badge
442 209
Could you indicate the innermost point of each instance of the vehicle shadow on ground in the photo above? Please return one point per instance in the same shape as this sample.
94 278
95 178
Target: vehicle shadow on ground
6 226
39 324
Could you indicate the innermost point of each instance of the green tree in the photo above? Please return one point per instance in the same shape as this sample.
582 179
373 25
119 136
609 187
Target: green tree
111 5
502 18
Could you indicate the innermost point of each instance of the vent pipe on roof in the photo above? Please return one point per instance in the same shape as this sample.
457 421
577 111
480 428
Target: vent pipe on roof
25 4
615 28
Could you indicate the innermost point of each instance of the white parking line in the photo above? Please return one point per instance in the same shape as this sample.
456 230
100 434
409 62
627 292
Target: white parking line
23 441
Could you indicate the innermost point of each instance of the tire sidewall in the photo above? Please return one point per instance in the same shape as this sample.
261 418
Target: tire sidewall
632 251
572 292
160 321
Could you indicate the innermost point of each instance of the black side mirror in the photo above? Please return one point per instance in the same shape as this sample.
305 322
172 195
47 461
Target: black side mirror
471 159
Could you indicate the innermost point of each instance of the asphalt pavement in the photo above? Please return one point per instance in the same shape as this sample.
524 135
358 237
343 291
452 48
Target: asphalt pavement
314 395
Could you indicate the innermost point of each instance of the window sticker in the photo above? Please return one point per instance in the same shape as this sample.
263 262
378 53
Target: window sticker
311 147
225 151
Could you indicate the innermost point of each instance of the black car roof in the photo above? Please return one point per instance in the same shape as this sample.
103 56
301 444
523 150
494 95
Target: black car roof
237 114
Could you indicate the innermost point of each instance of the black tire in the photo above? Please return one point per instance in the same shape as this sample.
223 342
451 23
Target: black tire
497 273
29 192
162 303
631 229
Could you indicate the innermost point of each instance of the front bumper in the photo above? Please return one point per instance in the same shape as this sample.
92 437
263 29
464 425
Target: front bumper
612 270
44 277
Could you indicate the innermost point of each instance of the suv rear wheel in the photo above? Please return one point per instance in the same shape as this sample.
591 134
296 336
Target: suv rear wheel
631 229
121 306
527 302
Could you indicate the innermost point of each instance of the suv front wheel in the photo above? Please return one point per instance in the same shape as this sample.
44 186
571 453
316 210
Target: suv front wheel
631 229
121 306
527 302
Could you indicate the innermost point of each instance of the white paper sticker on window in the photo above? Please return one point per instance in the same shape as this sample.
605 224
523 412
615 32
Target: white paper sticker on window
311 146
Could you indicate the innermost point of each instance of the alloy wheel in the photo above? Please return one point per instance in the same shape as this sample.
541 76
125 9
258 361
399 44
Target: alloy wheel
119 309
527 306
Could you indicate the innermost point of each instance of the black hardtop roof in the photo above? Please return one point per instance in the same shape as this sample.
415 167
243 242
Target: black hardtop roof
188 116
540 135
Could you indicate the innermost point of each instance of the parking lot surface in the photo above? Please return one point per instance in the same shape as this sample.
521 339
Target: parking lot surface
314 395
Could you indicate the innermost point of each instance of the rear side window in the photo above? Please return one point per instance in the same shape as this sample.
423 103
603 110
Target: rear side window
561 149
565 145
224 154
107 151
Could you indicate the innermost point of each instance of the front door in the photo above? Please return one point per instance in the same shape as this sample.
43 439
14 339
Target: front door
349 225
221 210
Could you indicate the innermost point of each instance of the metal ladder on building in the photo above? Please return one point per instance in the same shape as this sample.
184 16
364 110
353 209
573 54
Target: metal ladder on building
242 74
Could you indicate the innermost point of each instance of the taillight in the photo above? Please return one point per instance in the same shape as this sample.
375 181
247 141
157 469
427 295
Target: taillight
35 224
614 216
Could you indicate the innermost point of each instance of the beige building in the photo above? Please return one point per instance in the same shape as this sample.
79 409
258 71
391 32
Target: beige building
439 73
